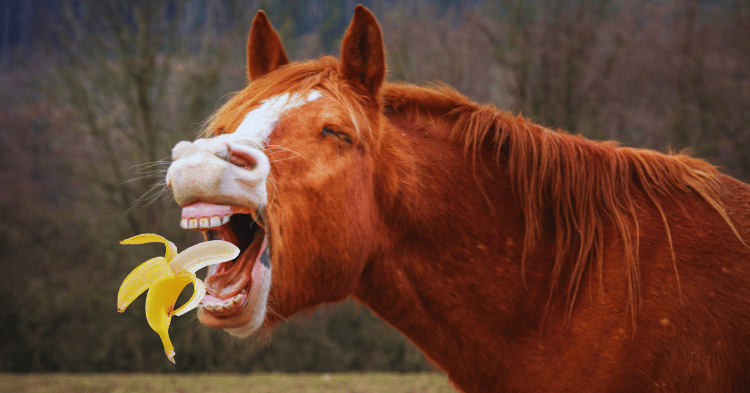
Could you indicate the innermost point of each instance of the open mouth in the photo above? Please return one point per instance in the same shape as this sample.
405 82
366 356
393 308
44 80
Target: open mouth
229 284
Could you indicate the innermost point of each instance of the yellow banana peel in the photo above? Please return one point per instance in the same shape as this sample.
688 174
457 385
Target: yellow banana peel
165 278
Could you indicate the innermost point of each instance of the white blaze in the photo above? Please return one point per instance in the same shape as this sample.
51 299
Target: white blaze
259 122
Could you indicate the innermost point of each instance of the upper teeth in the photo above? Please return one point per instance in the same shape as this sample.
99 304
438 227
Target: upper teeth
203 222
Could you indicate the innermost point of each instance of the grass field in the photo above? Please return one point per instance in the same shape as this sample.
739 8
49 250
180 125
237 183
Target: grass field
225 383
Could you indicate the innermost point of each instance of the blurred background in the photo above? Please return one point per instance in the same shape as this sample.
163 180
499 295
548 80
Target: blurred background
94 94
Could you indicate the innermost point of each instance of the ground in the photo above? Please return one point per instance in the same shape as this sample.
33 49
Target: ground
225 383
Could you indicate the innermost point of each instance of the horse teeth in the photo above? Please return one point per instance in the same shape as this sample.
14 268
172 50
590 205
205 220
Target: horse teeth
237 299
203 222
215 221
244 291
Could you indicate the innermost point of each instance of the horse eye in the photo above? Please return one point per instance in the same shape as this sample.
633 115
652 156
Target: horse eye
340 135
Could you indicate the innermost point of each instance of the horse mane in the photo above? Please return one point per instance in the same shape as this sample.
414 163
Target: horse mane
547 174
545 166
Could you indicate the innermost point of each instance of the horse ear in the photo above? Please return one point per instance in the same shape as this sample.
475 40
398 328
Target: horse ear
264 50
362 53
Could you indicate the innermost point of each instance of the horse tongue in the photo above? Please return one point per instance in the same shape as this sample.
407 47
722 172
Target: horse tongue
233 280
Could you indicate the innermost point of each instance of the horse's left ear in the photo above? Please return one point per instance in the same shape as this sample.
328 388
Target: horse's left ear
362 53
264 50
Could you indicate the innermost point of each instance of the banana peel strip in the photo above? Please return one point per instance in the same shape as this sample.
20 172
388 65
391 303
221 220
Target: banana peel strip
140 279
166 277
153 238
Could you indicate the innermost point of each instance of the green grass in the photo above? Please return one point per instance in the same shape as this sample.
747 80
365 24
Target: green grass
225 383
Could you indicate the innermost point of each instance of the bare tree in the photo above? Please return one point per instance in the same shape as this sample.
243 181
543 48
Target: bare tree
117 74
558 57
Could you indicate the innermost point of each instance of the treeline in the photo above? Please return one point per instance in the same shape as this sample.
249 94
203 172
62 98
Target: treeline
91 111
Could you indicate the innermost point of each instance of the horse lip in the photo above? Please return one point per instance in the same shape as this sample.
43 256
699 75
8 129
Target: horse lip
235 320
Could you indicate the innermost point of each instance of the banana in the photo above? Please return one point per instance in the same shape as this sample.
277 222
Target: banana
165 278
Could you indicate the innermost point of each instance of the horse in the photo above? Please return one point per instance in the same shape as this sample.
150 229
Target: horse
517 258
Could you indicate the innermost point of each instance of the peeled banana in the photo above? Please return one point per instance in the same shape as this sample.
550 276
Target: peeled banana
165 278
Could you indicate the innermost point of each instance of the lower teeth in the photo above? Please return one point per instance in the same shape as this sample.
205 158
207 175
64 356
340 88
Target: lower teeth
224 306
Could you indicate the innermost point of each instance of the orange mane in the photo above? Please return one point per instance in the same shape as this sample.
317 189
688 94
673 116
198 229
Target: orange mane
546 171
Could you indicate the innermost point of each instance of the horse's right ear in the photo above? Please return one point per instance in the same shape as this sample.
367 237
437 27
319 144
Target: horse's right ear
264 50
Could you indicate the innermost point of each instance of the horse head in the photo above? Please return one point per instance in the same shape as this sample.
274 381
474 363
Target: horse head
289 176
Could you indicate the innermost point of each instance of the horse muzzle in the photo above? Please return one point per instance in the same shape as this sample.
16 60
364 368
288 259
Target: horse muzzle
220 171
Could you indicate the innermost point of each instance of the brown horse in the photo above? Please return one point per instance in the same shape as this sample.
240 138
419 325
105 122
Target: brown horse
517 258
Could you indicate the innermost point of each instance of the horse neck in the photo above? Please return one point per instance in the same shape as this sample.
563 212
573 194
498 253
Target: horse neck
450 270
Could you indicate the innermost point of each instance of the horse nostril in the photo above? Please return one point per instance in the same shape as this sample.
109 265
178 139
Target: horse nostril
242 159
